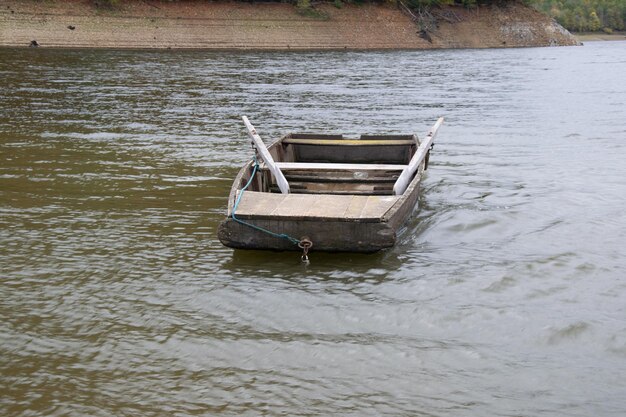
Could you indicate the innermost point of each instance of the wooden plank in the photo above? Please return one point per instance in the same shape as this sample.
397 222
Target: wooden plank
340 192
353 154
329 206
336 167
388 137
377 204
323 207
405 177
377 177
349 142
341 173
249 205
341 187
332 236
314 136
267 158
355 208
294 206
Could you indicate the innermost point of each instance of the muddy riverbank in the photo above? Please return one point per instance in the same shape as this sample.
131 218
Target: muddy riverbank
235 25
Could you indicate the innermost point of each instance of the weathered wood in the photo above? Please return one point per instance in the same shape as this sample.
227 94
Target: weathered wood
405 177
387 137
310 187
267 158
358 177
336 167
348 142
314 207
379 154
312 136
336 189
328 236
347 173
406 203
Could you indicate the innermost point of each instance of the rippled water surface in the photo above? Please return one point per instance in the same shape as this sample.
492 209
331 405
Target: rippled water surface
505 296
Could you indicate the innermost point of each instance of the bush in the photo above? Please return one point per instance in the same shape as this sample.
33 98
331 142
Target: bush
585 15
106 4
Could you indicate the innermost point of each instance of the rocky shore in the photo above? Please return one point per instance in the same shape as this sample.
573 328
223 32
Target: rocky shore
268 26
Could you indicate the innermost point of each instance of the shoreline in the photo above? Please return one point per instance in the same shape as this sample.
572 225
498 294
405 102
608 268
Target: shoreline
242 26
599 36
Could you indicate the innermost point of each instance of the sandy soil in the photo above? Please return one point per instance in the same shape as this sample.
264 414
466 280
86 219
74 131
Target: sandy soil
239 25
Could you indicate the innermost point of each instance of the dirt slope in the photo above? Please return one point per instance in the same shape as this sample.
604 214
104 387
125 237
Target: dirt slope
238 25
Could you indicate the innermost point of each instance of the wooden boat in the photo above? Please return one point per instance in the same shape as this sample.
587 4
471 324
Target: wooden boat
326 191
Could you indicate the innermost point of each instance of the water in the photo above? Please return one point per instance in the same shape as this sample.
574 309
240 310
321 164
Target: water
504 297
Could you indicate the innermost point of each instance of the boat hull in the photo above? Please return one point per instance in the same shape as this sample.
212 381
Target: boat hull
343 195
327 236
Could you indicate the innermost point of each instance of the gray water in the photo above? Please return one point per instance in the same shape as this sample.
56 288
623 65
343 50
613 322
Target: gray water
504 297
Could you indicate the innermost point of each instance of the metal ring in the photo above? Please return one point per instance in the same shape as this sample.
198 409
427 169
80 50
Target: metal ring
305 243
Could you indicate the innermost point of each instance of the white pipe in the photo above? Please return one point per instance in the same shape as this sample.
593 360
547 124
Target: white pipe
267 158
404 179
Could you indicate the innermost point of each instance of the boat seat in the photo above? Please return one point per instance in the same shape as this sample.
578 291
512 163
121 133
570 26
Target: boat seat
347 173
339 188
326 166
330 178
349 142
359 208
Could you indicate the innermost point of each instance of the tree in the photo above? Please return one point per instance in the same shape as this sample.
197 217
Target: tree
579 15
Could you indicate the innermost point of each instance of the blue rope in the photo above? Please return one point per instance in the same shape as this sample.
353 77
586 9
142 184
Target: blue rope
260 229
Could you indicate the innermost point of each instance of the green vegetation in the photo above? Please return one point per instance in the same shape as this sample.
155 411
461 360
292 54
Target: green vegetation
574 15
106 3
586 15
426 4
305 8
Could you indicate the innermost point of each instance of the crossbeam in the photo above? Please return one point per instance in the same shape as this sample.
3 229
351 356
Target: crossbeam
337 167
349 142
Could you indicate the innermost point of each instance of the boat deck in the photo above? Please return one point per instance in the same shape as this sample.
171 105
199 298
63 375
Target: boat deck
324 207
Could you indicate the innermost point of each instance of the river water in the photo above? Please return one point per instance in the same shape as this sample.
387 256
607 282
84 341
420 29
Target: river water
504 297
